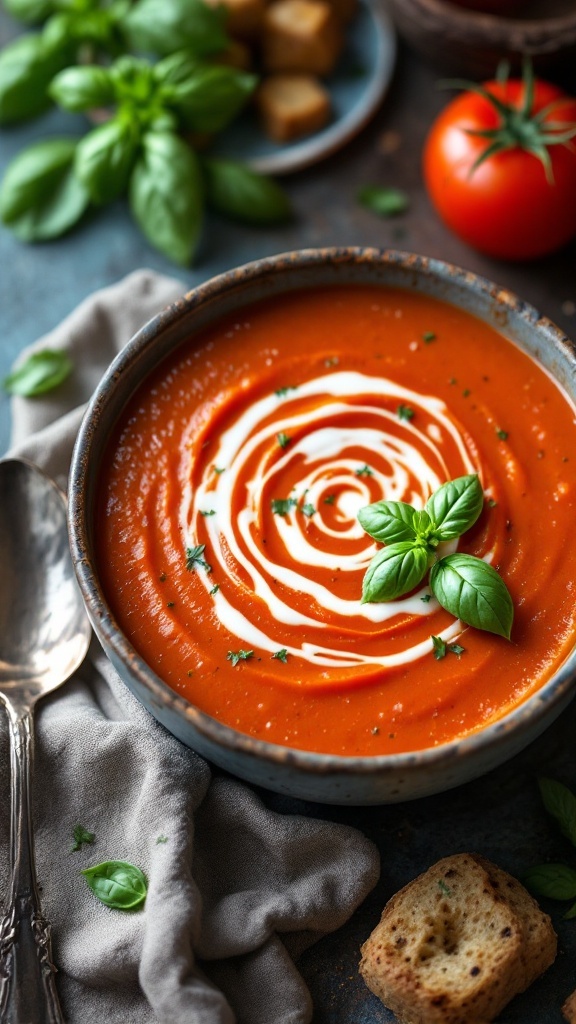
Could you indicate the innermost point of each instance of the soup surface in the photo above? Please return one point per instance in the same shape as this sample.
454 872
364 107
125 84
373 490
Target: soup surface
229 545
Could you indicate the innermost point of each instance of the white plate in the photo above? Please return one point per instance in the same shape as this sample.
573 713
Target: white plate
357 87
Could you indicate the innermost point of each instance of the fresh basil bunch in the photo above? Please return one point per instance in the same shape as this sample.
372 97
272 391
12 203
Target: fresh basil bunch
140 151
464 585
105 27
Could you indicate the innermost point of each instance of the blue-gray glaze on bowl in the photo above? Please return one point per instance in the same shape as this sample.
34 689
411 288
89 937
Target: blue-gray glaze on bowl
312 776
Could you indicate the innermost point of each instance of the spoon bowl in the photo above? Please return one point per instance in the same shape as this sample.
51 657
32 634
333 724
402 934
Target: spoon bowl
44 636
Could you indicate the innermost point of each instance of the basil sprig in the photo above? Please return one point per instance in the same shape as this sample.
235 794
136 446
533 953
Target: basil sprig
556 881
464 585
140 151
117 884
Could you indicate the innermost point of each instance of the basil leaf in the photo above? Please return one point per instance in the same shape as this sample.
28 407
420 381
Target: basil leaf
176 68
556 881
210 97
455 506
27 67
80 88
40 197
166 195
394 571
40 372
29 11
165 26
473 591
236 191
388 521
117 884
560 802
105 158
386 202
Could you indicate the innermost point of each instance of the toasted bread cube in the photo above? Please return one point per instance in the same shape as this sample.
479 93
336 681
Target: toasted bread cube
301 35
292 105
244 17
569 1009
457 944
344 10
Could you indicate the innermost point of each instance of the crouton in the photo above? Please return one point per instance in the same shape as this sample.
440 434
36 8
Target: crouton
301 36
291 106
569 1009
456 944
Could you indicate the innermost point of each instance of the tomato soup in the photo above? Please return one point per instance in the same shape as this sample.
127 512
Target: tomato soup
228 540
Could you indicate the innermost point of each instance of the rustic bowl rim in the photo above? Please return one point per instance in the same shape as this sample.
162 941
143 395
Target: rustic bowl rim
497 27
554 692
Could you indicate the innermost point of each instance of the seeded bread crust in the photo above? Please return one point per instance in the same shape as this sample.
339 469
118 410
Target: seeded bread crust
456 944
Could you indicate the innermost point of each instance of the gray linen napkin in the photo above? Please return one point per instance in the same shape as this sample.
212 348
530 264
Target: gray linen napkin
232 885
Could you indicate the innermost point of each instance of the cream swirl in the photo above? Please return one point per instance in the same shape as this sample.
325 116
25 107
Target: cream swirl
280 517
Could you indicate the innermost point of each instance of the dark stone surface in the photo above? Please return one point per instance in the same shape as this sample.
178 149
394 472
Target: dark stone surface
501 815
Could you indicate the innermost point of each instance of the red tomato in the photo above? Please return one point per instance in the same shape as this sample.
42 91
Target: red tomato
508 206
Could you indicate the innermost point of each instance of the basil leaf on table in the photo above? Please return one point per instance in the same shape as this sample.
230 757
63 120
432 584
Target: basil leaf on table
80 88
117 884
388 521
27 67
165 26
104 159
556 881
473 591
394 571
40 196
40 372
210 97
560 803
30 11
455 506
166 195
236 191
386 202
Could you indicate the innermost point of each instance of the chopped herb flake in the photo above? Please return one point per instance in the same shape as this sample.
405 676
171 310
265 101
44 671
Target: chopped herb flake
364 471
502 434
217 470
426 598
439 647
404 412
282 392
170 604
194 558
444 888
452 380
492 503
428 336
209 512
329 499
215 589
283 439
81 836
456 649
466 392
281 655
282 506
236 656
161 839
162 578
307 509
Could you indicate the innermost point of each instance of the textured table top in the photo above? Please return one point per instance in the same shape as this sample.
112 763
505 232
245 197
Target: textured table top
500 815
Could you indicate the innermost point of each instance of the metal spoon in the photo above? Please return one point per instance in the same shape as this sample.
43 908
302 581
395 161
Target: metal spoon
44 636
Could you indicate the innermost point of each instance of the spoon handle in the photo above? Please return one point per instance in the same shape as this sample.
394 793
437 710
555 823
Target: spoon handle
27 987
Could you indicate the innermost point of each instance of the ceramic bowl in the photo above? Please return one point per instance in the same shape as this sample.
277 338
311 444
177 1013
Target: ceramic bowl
312 776
458 40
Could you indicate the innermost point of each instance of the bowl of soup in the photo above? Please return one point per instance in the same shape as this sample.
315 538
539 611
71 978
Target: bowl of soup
215 490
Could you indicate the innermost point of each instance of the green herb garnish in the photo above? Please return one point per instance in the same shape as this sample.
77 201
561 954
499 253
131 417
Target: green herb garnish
444 888
428 336
215 589
283 439
281 655
208 512
502 434
329 499
282 392
117 884
426 598
236 656
282 506
386 202
441 648
194 558
404 412
464 585
307 509
364 471
161 840
39 373
81 837
556 881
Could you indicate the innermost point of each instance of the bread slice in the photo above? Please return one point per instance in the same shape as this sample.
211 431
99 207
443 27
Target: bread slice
569 1009
456 944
